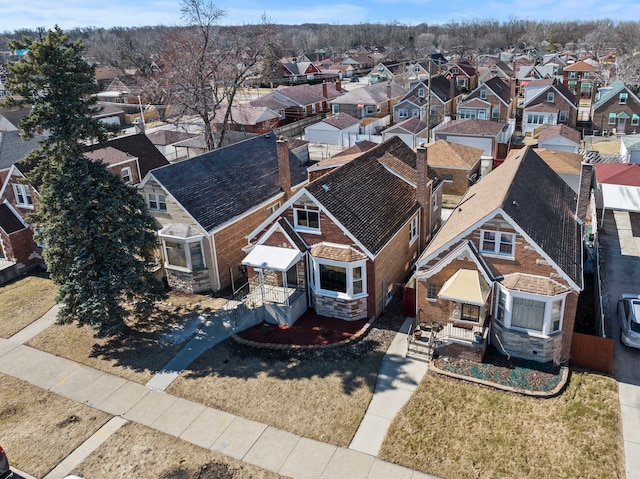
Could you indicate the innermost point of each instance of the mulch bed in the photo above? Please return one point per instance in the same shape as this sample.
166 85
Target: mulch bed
309 329
516 373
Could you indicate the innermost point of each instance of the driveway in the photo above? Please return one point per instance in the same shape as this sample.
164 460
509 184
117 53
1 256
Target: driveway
620 244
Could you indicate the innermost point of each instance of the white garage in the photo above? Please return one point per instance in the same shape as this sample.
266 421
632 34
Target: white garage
333 130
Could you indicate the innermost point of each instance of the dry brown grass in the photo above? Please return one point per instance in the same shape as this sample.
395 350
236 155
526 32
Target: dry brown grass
23 301
457 430
605 147
315 398
38 428
140 353
139 452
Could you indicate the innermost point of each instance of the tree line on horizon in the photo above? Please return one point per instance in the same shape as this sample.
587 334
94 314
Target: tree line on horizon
136 47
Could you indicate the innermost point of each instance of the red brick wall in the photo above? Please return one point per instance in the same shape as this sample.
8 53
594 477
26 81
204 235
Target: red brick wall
229 243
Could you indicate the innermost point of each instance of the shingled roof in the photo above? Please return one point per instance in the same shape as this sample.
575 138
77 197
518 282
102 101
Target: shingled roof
369 199
9 222
535 198
225 183
140 146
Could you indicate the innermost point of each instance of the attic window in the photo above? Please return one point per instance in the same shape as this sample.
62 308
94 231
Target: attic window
483 94
156 202
455 70
550 97
307 220
497 242
22 195
421 92
623 98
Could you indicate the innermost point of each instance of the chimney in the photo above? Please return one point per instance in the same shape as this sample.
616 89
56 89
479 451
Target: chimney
338 85
389 89
284 172
423 195
325 89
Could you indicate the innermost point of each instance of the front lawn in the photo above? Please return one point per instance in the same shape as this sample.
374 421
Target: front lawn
23 301
143 351
38 429
455 430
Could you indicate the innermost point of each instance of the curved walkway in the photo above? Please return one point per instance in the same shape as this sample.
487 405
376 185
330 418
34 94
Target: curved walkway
250 441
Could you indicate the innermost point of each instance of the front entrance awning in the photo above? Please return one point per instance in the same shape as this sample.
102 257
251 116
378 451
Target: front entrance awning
466 286
272 257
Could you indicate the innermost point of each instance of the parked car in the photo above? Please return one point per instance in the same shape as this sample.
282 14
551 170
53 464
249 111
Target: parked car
629 316
354 79
5 471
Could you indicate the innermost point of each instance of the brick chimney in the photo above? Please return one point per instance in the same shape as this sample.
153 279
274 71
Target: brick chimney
423 195
325 89
389 89
284 171
452 85
338 85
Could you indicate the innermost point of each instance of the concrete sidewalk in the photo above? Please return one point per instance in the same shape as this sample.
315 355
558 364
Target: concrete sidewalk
252 442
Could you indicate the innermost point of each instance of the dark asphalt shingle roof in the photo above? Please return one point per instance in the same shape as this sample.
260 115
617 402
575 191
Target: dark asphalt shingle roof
366 198
222 184
140 146
8 220
14 149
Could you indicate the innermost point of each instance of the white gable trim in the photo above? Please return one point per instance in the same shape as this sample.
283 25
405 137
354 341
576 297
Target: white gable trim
466 247
544 91
499 211
278 227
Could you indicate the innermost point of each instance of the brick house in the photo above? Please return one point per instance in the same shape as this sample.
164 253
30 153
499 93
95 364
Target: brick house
346 241
463 73
457 165
372 101
293 103
129 157
492 100
18 251
506 265
437 102
618 109
547 102
206 205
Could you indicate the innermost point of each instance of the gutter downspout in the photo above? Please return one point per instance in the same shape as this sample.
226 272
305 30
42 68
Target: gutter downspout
214 256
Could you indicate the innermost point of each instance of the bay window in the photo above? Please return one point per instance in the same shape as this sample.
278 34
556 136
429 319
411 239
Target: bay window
536 314
182 252
336 278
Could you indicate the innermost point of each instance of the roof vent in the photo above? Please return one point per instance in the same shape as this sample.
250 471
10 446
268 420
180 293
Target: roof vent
325 187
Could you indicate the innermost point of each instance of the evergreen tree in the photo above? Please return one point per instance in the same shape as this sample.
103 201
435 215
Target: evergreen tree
99 239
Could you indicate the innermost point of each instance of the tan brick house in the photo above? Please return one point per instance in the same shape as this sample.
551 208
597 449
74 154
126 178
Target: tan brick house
348 240
506 265
617 109
458 165
206 206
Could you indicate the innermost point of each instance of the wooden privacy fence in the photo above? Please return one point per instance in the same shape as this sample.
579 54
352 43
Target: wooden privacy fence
592 352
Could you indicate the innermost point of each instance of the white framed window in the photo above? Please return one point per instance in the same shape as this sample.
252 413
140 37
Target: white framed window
413 230
339 279
536 314
623 98
497 242
612 118
635 120
22 194
562 117
421 92
415 113
183 254
483 94
550 97
432 109
125 174
432 291
306 219
271 209
403 113
494 113
369 109
447 177
335 109
469 312
156 202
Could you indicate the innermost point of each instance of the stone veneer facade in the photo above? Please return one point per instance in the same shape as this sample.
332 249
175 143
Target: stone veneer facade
347 309
524 345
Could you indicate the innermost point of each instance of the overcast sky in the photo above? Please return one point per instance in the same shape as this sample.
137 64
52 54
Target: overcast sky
16 14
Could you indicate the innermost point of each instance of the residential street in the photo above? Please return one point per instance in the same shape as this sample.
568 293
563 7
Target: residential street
620 243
